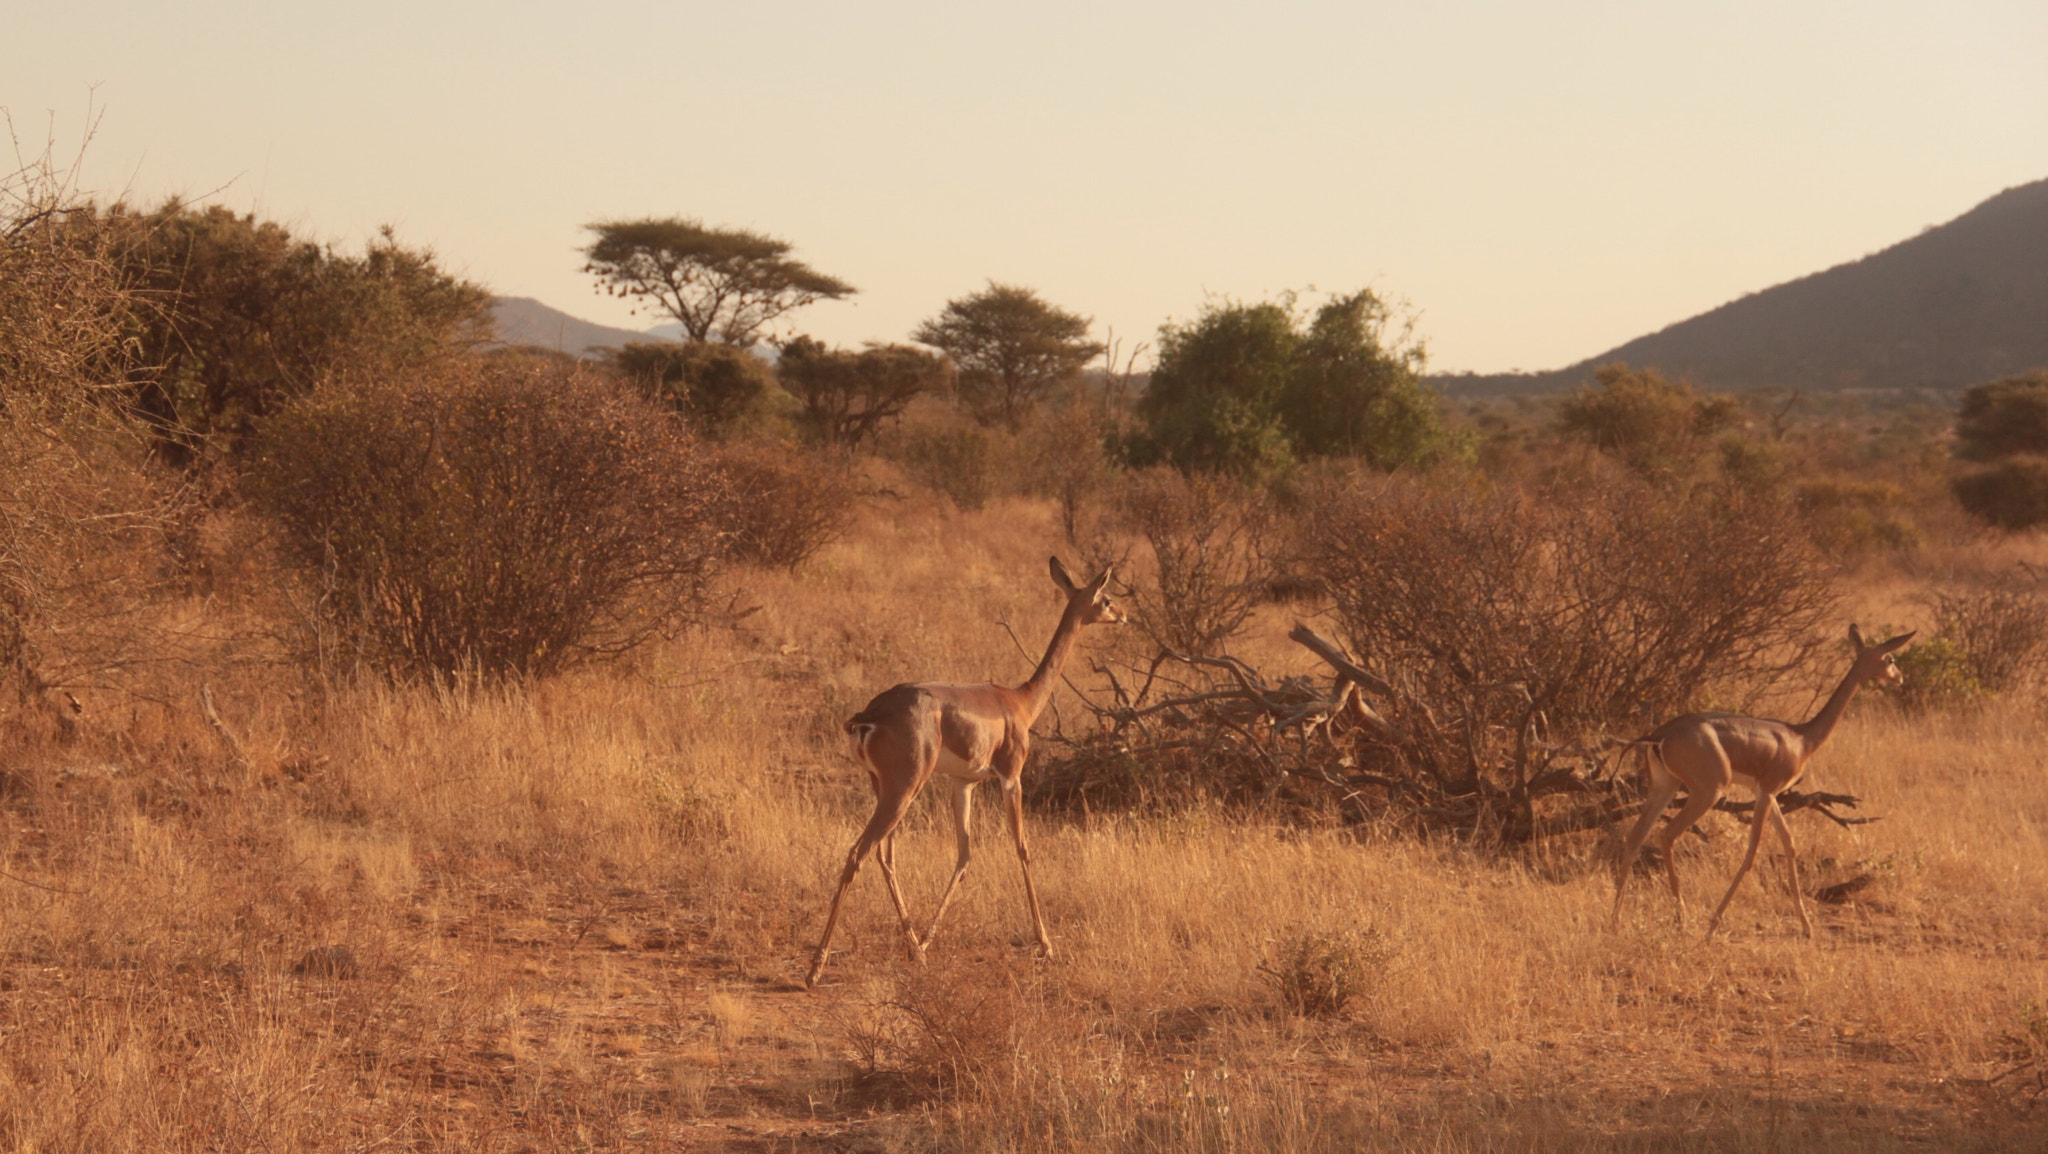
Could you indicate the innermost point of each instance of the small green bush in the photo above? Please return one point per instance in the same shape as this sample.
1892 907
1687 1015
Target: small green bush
964 461
1936 674
2003 418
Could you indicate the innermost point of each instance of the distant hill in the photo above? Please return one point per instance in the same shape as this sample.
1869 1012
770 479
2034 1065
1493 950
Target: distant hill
525 321
1954 306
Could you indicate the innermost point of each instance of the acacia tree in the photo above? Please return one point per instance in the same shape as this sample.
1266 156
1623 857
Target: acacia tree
1012 349
719 284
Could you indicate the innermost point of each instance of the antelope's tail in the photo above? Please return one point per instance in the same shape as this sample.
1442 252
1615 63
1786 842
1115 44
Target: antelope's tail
859 731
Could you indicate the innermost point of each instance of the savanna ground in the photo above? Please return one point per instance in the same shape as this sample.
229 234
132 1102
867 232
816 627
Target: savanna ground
576 915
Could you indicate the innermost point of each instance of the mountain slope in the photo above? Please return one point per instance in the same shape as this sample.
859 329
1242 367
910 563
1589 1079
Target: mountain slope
525 321
1956 305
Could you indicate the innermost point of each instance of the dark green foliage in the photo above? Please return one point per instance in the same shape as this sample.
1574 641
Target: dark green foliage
247 316
1246 388
1214 398
719 284
2004 417
845 395
491 517
719 387
2011 494
1355 393
1656 427
1012 349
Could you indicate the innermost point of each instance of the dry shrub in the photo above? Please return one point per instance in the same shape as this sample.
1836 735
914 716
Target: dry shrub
1988 641
1849 517
965 1024
491 516
1065 456
1207 537
783 504
1323 973
2003 630
955 457
1521 624
81 514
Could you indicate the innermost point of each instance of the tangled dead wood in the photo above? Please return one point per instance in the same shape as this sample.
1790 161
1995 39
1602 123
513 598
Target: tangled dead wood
1359 745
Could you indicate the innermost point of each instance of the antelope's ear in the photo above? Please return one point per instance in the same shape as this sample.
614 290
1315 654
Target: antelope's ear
1856 639
1060 577
1896 643
1101 579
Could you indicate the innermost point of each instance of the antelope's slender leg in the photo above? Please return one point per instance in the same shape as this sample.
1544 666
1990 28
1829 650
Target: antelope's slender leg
1764 805
1662 790
890 806
963 815
1791 864
1013 794
1696 807
885 856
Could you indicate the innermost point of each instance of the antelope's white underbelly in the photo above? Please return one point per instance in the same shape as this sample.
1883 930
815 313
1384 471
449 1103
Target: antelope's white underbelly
953 765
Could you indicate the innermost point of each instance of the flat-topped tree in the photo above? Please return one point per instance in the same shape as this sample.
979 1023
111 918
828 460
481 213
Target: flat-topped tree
719 284
1012 349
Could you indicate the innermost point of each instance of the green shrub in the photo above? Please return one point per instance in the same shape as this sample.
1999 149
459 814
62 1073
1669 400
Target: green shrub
1654 426
2011 495
720 388
491 518
1936 673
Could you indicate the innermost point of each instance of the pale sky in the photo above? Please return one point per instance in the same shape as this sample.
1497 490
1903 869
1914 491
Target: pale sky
1540 182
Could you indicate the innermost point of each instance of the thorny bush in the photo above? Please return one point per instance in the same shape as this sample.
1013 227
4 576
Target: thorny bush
494 517
82 514
1208 540
783 504
1517 627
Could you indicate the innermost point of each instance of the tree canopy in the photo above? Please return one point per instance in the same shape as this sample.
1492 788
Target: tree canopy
1011 347
846 395
2003 417
1245 388
719 284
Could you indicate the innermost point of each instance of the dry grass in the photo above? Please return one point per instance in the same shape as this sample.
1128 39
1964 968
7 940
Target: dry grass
575 913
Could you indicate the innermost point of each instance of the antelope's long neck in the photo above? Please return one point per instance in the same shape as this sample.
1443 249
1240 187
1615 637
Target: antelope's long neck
1046 678
1823 723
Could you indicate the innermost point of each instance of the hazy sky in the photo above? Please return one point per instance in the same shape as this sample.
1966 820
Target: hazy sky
1539 181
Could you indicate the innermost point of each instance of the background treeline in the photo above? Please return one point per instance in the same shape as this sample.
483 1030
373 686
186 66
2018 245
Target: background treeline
195 395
